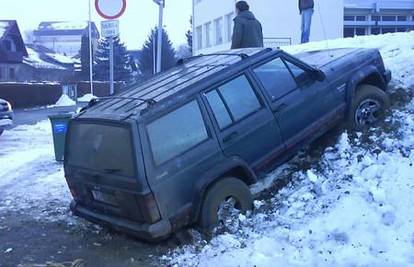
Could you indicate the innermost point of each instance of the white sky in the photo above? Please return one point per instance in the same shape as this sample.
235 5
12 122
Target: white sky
139 18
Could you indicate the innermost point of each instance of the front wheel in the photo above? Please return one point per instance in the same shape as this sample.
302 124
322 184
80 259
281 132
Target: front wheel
226 196
368 107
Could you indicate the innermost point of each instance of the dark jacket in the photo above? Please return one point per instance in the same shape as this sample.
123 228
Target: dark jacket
305 4
247 31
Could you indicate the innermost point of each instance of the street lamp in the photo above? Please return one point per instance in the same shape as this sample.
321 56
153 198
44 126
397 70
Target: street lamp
161 4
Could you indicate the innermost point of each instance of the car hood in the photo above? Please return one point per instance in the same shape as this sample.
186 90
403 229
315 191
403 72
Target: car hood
320 58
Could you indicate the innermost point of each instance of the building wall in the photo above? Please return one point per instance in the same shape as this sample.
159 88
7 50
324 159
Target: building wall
280 19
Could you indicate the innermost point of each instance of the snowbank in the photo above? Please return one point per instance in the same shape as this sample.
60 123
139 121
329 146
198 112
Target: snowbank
64 101
353 208
86 98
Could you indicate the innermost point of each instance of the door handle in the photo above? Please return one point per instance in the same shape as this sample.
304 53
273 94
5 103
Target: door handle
281 107
230 137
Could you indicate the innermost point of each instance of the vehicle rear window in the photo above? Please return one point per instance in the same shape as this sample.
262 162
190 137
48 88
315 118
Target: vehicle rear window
100 147
176 132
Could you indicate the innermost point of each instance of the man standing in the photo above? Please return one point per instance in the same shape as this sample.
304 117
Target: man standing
306 10
247 30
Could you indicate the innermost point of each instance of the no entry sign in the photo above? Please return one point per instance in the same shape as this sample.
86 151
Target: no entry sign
110 9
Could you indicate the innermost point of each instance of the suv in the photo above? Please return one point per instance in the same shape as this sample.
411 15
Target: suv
6 115
177 149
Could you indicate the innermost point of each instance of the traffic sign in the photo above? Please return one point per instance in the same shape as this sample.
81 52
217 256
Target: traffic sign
110 28
110 9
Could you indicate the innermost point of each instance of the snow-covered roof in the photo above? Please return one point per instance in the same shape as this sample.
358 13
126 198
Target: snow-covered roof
4 25
63 25
35 61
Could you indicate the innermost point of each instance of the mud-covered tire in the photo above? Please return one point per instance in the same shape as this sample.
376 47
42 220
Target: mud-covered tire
219 192
364 95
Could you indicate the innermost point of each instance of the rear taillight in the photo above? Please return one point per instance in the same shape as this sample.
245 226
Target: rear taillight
149 208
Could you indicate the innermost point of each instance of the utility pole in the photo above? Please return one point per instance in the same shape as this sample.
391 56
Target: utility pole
90 48
111 65
161 4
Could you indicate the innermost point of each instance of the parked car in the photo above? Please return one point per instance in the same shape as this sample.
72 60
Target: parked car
6 115
178 149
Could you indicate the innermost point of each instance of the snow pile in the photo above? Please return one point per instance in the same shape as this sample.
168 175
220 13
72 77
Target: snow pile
64 101
87 98
352 208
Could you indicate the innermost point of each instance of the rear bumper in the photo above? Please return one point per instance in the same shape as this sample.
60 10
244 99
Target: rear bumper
149 232
387 76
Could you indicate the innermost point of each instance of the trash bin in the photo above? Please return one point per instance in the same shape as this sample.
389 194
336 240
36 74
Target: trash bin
59 129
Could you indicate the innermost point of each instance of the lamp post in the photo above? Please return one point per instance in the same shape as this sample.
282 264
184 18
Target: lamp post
161 4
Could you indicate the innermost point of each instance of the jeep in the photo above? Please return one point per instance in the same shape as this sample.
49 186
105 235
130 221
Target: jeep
174 151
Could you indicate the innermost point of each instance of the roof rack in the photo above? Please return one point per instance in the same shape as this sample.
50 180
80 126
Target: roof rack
150 102
183 60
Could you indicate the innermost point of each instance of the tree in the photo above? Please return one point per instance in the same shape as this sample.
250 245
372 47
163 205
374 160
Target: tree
189 36
122 68
147 57
84 58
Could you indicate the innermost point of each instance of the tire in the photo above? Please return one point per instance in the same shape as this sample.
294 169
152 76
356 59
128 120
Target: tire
217 194
367 99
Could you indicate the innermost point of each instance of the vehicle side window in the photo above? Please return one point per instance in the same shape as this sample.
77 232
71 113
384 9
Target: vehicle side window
300 74
176 132
276 78
233 101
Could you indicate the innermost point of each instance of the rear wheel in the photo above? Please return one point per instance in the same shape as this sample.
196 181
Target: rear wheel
225 197
368 107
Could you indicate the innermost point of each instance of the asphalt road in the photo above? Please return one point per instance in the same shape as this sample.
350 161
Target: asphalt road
35 115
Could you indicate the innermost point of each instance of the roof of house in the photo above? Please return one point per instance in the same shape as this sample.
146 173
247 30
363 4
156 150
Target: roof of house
42 57
48 28
172 82
9 28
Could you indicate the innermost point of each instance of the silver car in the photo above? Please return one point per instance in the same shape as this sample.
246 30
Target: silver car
6 115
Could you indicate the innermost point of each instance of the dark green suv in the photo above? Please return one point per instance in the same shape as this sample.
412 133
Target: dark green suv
174 150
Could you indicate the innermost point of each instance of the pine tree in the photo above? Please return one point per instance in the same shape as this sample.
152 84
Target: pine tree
122 68
146 57
84 58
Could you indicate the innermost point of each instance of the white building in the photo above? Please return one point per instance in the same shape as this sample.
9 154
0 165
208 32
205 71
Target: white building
213 20
64 37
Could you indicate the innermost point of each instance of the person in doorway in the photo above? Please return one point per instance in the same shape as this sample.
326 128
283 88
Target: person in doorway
306 11
247 30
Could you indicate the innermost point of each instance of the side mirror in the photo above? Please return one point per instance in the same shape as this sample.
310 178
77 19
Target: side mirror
319 75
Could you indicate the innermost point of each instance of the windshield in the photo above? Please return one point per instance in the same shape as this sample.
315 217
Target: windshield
102 147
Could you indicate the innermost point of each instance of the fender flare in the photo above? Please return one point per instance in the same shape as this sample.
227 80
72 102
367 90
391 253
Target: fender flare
358 77
213 176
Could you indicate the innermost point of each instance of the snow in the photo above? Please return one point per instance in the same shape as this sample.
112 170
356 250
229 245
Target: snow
86 98
35 61
3 27
69 25
353 207
64 101
61 58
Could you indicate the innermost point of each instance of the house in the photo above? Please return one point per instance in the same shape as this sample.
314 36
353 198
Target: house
212 27
12 50
64 37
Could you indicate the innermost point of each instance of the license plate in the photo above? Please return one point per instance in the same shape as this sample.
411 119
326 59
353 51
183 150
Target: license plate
104 197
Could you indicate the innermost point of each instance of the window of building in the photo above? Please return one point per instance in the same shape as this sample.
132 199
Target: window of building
233 101
361 18
229 26
169 139
12 73
388 18
375 30
349 32
7 45
402 29
1 74
402 18
218 23
388 29
207 27
360 31
199 37
375 18
276 78
349 18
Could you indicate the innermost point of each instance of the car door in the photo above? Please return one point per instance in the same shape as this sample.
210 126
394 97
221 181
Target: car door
246 126
302 105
